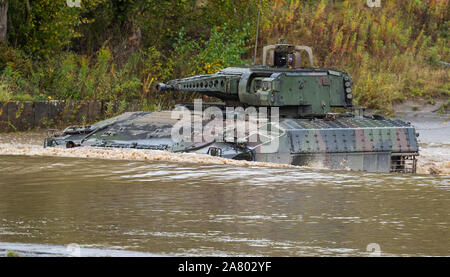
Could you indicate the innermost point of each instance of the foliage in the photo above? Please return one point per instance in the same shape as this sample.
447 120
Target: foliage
225 47
45 27
5 92
118 50
12 254
391 52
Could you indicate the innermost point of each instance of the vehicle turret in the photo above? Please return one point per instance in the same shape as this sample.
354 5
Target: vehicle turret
280 81
307 129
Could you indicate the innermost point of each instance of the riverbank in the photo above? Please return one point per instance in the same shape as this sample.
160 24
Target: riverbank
23 116
432 122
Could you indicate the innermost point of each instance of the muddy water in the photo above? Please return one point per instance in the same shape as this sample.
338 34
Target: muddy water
154 203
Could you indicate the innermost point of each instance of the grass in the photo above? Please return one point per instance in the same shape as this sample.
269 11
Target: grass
12 254
445 107
392 53
5 93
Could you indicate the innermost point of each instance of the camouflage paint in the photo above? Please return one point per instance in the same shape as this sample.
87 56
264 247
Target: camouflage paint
310 134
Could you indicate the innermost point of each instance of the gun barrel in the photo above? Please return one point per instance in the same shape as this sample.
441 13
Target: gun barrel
161 87
224 87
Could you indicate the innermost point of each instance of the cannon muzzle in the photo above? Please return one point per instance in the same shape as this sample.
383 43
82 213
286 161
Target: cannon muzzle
163 87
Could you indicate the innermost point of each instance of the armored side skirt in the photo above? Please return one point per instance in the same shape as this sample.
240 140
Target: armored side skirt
363 161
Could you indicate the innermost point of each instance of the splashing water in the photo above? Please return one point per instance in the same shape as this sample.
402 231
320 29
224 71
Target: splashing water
434 157
30 145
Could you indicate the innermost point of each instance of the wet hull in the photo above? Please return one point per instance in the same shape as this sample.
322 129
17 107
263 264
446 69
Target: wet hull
351 143
382 162
360 144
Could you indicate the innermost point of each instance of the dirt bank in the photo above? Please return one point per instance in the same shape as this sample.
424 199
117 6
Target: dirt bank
22 116
434 134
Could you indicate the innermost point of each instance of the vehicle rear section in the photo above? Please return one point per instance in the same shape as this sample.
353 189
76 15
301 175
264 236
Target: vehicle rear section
355 143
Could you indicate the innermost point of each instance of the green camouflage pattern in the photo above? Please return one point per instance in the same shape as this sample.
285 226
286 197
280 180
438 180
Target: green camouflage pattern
310 132
356 143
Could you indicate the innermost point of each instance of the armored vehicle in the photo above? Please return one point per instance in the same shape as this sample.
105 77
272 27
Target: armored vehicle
305 116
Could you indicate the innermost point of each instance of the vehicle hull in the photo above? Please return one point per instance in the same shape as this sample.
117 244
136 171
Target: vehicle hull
343 143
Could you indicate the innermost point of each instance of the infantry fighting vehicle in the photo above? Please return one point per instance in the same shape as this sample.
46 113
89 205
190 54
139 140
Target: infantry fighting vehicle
314 119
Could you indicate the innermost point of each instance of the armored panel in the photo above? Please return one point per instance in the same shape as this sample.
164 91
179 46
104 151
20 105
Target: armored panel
350 135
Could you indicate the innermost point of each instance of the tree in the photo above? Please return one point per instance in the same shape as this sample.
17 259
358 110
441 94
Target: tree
42 28
3 19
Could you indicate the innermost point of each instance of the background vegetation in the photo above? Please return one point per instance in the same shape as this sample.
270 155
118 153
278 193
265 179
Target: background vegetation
118 49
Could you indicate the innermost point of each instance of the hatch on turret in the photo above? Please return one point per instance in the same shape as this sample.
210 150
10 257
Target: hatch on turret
284 55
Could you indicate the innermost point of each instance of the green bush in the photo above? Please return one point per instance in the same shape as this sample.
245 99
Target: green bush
118 50
5 93
225 47
12 254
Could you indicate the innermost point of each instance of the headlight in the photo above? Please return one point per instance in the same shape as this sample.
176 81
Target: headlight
347 84
348 90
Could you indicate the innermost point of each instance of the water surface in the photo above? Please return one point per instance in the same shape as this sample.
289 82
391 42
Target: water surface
191 209
156 203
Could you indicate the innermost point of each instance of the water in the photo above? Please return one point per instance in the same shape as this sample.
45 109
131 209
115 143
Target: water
134 203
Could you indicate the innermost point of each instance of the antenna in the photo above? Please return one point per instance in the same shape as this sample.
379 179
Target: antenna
257 33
